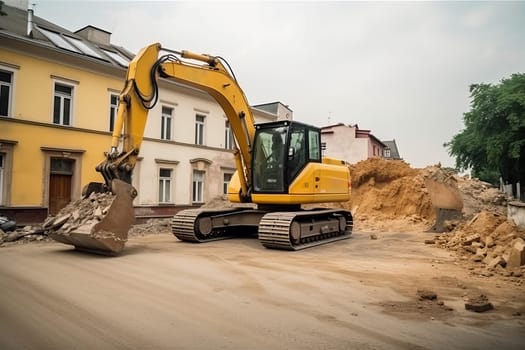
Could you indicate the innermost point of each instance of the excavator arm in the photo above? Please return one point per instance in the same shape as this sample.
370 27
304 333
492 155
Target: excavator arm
140 94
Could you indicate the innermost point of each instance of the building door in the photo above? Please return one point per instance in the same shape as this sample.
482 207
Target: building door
60 184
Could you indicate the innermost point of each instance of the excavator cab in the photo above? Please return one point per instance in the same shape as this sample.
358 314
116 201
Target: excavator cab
281 150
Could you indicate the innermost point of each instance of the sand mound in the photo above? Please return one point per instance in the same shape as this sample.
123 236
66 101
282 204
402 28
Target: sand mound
388 190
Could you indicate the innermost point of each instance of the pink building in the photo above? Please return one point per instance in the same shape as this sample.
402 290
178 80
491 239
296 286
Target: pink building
349 143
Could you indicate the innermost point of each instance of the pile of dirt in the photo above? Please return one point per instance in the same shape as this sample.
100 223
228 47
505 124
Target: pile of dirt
152 226
388 190
223 202
392 190
489 242
425 305
391 196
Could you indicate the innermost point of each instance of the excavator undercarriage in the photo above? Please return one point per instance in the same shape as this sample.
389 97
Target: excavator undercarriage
287 230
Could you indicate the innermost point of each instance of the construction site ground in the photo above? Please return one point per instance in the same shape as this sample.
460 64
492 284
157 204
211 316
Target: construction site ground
392 285
161 293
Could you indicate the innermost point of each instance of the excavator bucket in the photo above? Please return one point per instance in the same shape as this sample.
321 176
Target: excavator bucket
446 200
107 236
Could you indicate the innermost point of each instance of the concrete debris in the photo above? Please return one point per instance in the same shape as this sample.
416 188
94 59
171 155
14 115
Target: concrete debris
78 215
472 238
516 256
25 234
478 303
81 214
488 240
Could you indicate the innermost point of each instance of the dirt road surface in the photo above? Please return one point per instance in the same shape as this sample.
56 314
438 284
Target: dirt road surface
161 293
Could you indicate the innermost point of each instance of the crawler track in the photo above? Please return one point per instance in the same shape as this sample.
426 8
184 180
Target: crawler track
304 229
196 225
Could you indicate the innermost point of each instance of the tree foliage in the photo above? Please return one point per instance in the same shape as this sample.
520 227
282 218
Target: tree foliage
493 141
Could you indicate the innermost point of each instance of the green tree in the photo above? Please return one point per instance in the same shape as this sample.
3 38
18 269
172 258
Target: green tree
493 141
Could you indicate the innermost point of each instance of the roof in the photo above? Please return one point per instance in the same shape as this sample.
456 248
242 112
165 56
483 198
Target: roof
47 34
334 125
56 40
394 152
271 107
359 133
89 26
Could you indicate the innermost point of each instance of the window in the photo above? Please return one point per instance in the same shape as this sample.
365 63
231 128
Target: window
387 152
6 88
58 40
228 136
313 142
120 59
268 160
165 123
85 48
6 170
198 186
297 159
113 108
2 162
165 185
199 129
62 104
225 182
62 166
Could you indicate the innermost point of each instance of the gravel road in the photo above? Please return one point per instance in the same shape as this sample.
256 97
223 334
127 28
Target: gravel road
161 293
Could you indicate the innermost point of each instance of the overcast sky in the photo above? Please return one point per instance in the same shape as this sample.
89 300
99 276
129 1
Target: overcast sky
401 70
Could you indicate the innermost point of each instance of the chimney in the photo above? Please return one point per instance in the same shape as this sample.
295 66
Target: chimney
94 34
30 22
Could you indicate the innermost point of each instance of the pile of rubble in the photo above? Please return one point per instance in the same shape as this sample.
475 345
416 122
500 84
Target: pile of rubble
81 214
151 226
23 235
490 242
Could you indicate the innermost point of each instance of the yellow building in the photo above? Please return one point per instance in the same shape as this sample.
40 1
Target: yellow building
58 98
53 85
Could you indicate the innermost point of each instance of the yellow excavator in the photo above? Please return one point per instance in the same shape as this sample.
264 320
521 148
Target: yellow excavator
279 166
